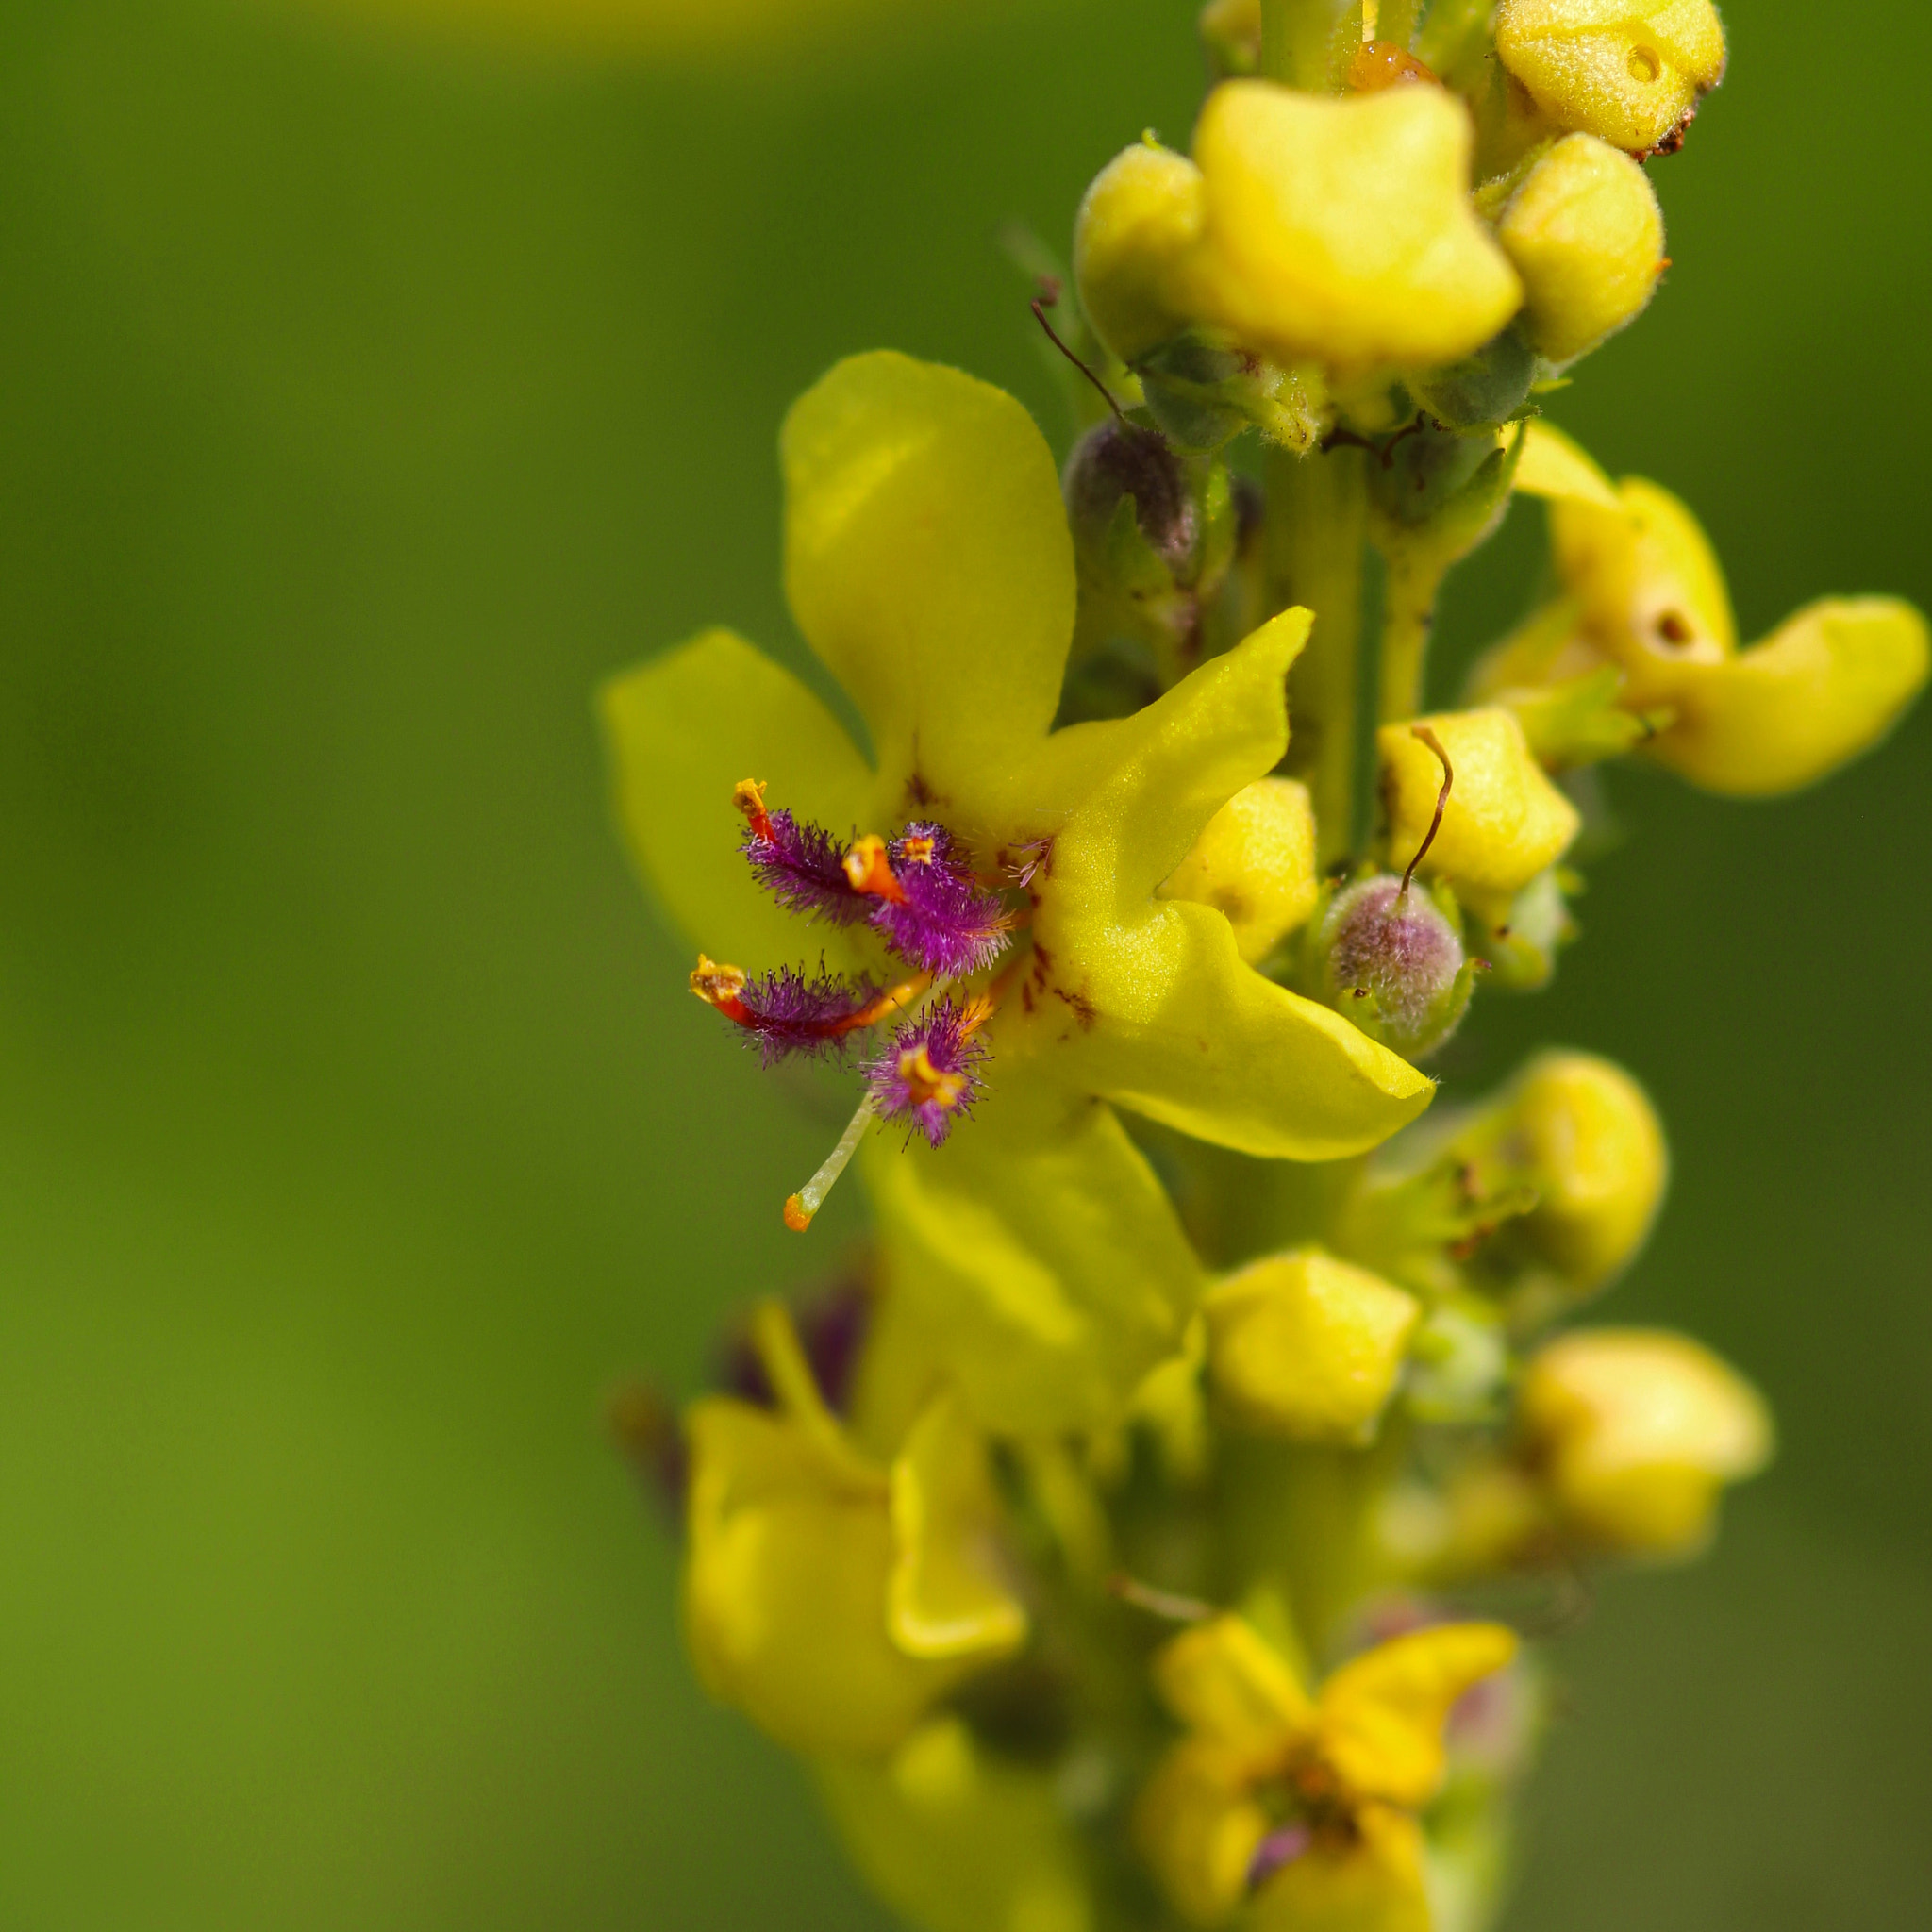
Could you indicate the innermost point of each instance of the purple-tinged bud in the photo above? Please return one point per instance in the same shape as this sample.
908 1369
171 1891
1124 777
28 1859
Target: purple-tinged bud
1118 460
832 1324
929 1075
1393 962
941 920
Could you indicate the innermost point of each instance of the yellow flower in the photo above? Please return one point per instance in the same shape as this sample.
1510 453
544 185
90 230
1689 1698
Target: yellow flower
1312 229
1644 600
1505 822
1587 236
927 561
1633 1434
1630 72
957 1840
1304 1805
1255 862
830 1597
1304 1346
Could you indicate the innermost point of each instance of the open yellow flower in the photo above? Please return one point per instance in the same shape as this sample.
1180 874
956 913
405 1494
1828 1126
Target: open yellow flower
1305 1806
831 1597
929 563
1311 229
1645 618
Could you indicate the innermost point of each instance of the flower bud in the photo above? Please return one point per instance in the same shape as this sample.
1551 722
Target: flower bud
1393 962
1587 236
1636 1431
1306 1346
1231 32
1255 860
1340 231
1504 822
1630 72
1116 462
1141 215
1591 1143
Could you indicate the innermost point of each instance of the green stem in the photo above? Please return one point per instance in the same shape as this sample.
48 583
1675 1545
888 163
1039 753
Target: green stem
1408 617
1297 41
1317 537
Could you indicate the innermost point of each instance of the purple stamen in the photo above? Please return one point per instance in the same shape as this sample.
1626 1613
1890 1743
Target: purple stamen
803 867
790 1014
945 924
929 1075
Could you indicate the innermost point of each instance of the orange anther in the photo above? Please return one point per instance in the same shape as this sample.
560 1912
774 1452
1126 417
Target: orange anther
869 871
797 1215
748 795
925 1083
916 851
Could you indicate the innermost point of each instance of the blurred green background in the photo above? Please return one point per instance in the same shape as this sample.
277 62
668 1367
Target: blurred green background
365 401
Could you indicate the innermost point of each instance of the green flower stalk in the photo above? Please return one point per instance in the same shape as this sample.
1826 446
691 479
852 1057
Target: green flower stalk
1133 1540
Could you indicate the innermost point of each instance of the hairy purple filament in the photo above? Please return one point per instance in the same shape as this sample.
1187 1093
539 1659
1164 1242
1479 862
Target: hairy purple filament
804 868
790 1014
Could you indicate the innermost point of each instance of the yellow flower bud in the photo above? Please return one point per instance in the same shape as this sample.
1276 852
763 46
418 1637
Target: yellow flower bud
1341 231
1827 684
1587 236
1255 862
1636 1431
1591 1141
1141 217
1306 1346
1505 821
1629 72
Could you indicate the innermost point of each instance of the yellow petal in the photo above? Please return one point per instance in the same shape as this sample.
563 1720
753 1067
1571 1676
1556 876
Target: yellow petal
1505 822
1198 1828
1552 465
928 561
1307 1346
945 1597
1587 236
1825 686
957 1839
1255 862
1645 575
680 732
1637 1430
784 1589
1628 70
1381 1716
1035 1259
1222 1681
1375 1885
1138 221
1341 231
1150 1004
